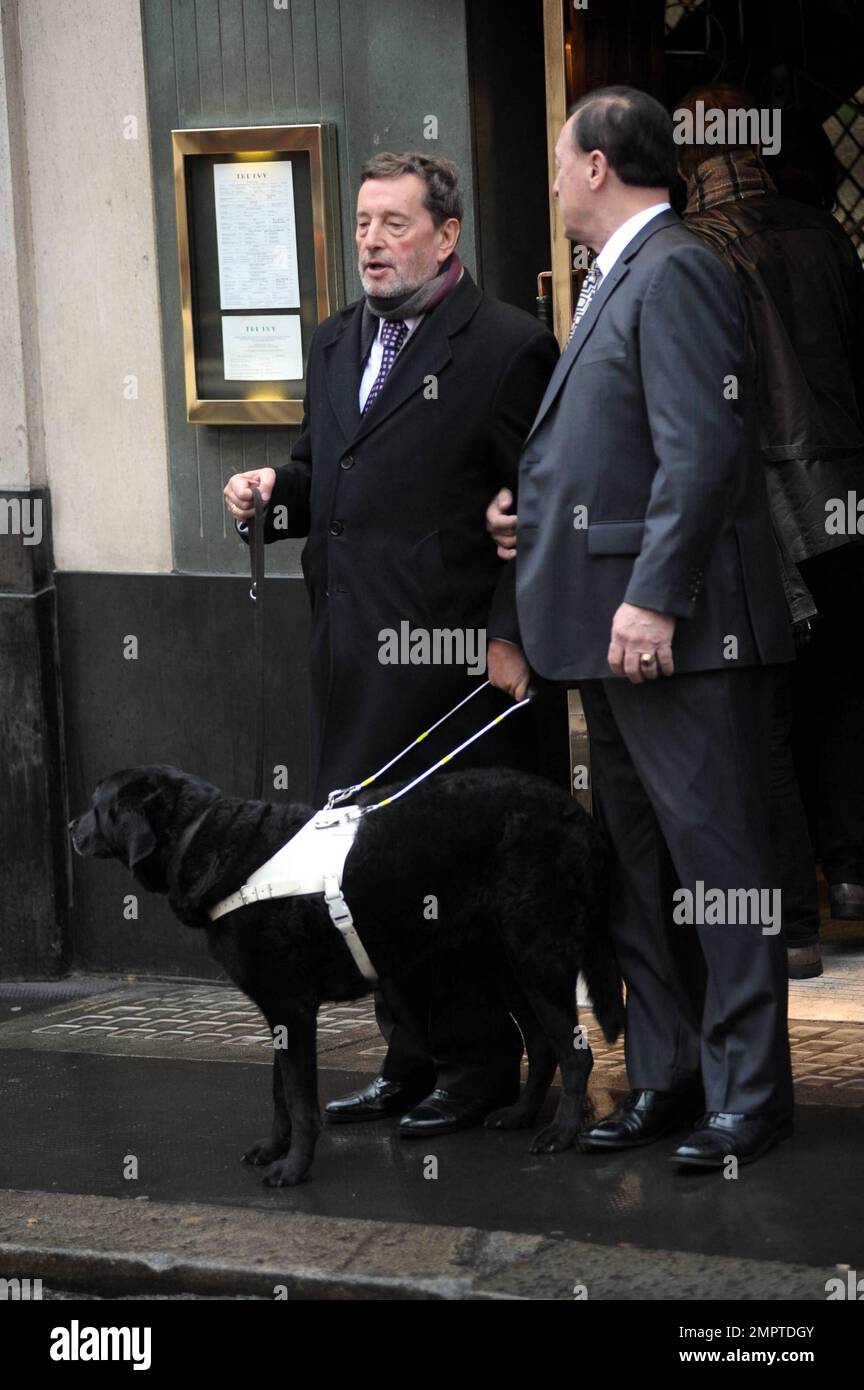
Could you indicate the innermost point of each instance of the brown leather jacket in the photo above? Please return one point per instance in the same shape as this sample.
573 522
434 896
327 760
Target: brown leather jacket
804 286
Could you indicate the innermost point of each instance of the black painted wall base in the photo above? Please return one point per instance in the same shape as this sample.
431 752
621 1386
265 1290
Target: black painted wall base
157 669
32 853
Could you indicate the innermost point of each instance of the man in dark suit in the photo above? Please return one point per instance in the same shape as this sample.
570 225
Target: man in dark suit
647 577
418 400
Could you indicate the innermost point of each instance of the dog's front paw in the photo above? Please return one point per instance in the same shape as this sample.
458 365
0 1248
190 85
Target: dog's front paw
285 1173
266 1151
510 1117
553 1139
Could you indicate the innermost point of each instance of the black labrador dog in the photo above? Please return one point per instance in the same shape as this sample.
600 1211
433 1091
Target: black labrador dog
512 864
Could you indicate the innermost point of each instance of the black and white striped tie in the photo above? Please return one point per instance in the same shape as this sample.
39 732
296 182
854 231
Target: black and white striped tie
586 294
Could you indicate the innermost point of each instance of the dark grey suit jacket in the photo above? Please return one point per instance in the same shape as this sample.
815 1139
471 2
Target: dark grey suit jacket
647 425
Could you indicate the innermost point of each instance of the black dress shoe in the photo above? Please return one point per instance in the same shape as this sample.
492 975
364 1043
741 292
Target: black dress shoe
380 1100
847 902
720 1135
643 1117
442 1113
804 962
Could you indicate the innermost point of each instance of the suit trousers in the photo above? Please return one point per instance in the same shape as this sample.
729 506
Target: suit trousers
449 1025
680 777
453 1030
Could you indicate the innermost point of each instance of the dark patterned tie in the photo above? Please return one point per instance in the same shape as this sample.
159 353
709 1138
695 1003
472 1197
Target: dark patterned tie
586 294
393 334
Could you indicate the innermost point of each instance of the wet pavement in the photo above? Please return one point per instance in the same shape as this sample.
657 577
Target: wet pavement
99 1079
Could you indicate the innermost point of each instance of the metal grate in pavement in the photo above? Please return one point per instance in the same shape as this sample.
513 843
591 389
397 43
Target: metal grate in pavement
186 1020
214 1022
198 1013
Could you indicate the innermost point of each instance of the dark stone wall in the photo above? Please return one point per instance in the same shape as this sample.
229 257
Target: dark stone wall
376 69
32 802
188 700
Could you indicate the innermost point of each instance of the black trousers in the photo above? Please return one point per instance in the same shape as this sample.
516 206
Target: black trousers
829 713
453 1031
680 776
448 1026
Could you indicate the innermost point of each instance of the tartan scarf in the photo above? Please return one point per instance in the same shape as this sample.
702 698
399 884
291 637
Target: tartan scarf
421 300
727 178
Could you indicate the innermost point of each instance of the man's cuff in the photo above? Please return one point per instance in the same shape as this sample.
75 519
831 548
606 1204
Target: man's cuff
668 601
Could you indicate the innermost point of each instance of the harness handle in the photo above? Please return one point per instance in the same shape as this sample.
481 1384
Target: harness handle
388 800
343 792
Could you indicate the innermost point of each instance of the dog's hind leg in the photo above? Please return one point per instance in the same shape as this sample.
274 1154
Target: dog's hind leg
553 998
266 1151
541 1066
298 1067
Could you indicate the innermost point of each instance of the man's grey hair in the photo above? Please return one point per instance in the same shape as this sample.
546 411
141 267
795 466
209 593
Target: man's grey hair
442 197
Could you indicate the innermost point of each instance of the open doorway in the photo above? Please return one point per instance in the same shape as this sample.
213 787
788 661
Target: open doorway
531 59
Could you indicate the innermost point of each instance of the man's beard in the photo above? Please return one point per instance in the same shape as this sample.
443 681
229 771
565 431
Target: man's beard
405 283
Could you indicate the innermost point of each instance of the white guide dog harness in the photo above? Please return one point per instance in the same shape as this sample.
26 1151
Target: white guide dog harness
313 860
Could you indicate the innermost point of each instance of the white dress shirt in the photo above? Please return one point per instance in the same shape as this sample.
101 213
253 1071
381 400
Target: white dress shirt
376 352
620 239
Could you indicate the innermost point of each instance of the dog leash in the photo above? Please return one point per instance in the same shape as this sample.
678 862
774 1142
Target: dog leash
355 812
256 593
270 879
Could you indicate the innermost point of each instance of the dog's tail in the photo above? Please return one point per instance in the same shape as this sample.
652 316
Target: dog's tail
599 963
605 987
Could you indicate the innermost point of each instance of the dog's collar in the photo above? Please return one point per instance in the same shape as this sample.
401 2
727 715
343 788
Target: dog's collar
173 865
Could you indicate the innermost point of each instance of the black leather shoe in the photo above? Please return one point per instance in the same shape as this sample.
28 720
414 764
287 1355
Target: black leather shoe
380 1100
643 1117
847 902
804 962
442 1113
719 1135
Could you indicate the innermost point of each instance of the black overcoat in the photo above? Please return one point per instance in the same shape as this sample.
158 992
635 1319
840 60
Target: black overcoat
393 504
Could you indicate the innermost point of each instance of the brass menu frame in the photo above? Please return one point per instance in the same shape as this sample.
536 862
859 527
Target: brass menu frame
319 143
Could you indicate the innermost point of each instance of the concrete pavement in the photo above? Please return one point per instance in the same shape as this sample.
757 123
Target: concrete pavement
127 1105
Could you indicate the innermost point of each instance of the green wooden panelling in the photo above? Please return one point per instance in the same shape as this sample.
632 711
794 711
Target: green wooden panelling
376 69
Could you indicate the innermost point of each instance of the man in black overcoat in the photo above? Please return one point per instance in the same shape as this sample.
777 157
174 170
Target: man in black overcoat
419 397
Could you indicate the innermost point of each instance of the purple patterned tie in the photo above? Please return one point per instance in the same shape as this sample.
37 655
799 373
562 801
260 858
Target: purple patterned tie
393 334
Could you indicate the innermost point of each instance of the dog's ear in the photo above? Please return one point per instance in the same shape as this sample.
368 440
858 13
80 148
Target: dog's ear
136 835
